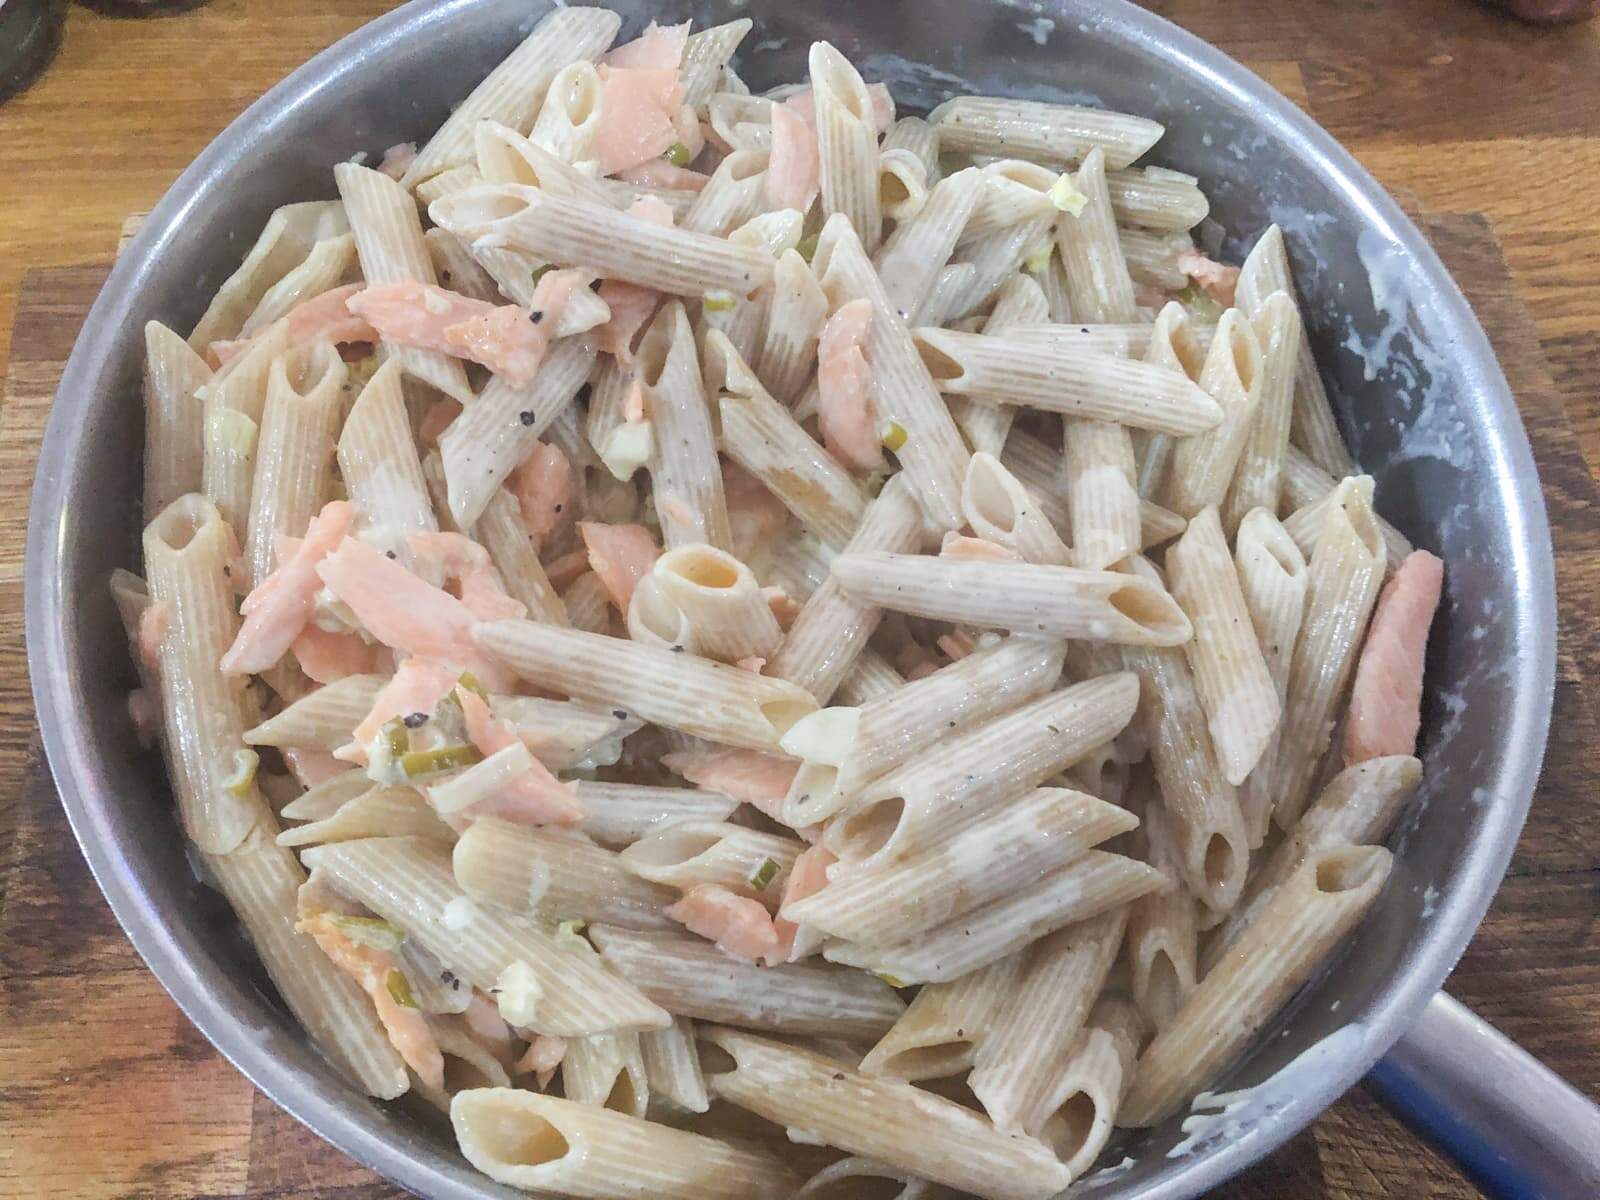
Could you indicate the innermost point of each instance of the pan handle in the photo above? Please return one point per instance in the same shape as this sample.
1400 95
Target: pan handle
1519 1130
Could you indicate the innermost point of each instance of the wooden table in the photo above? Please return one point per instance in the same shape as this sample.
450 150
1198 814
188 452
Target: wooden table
1488 130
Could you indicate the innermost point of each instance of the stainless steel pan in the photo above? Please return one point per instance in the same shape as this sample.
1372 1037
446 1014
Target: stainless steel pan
1434 422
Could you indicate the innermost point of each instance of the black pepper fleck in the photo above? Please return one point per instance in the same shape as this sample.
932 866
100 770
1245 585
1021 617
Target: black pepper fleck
526 417
416 720
536 315
390 554
620 714
677 649
558 508
448 977
1053 729
838 1076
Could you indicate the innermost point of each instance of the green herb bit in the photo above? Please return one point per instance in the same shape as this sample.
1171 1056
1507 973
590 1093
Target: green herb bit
399 989
894 436
368 931
763 875
243 776
540 272
1195 299
399 739
717 301
417 764
807 246
470 681
891 980
678 154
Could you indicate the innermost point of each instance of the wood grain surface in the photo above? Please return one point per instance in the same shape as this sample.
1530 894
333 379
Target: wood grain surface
1488 130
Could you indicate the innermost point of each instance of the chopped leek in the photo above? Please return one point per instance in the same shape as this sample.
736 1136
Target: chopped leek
242 778
762 877
808 246
720 300
417 764
1205 309
470 681
873 484
517 993
568 938
894 436
396 737
891 980
229 433
1064 194
399 989
540 272
677 154
1038 258
367 931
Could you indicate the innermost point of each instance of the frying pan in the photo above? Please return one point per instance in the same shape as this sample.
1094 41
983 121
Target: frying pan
1418 392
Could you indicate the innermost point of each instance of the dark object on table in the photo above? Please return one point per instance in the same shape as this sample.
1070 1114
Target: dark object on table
30 32
1550 12
140 8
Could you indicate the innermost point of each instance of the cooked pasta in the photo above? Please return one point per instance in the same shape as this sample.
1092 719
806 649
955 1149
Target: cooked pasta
652 593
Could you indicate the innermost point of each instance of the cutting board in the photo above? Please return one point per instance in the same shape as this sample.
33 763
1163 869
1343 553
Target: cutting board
107 1090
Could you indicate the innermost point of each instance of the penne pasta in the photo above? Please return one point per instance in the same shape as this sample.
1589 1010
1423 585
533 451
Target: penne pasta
1343 576
497 431
1207 823
847 143
692 978
672 1065
1051 133
931 453
1203 465
1106 511
1017 371
1313 428
554 875
1236 689
882 1119
696 696
1258 478
174 418
890 729
378 462
1099 288
1358 807
683 467
409 884
727 616
1020 300
1092 884
543 1144
1019 841
187 552
283 244
1002 757
1319 904
1024 598
705 54
939 1034
1094 1078
260 880
687 854
512 92
1018 1068
294 455
1272 580
575 232
388 234
616 814
832 628
911 259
